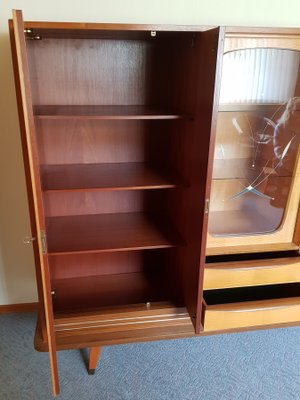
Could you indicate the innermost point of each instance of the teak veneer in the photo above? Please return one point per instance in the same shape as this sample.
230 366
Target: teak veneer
118 127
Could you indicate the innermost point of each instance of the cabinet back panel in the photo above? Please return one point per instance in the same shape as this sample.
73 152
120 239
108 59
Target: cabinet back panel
82 265
84 203
103 72
86 141
109 290
95 280
113 72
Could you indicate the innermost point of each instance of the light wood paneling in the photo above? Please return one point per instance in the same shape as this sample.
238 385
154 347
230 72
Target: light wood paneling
245 37
247 314
251 273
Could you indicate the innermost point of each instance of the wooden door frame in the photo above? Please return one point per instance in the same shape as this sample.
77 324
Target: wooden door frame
27 125
287 236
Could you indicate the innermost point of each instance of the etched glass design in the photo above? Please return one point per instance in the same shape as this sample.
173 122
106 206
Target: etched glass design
257 141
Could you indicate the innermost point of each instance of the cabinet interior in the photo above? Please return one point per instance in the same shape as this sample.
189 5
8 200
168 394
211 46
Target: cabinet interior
122 138
119 124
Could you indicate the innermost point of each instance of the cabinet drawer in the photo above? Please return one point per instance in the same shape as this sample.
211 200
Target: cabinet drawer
251 273
249 307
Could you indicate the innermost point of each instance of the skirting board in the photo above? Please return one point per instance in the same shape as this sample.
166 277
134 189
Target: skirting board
18 308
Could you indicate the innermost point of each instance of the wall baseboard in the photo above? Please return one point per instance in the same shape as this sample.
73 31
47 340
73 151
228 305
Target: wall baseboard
18 308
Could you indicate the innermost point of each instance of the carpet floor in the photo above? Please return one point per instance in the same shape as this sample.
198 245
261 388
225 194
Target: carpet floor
261 365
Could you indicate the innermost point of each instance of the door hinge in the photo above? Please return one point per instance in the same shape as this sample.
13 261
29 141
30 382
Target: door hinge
206 207
28 239
43 242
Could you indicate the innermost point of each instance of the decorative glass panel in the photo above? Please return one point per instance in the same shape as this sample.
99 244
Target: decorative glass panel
271 76
257 140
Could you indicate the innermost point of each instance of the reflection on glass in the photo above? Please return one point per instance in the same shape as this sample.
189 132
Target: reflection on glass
257 141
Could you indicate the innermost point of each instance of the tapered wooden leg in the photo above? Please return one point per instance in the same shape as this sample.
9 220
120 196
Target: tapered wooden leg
93 359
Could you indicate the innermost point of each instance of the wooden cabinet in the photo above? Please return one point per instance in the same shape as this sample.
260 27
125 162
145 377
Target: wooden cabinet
116 125
252 270
256 170
251 307
126 154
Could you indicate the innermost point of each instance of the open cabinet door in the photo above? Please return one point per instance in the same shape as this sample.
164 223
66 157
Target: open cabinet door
210 53
194 144
27 125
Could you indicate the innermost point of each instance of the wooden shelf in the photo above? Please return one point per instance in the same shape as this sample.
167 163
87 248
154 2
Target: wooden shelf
107 232
103 112
110 290
116 176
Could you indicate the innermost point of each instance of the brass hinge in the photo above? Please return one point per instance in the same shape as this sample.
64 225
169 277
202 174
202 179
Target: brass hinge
43 242
206 207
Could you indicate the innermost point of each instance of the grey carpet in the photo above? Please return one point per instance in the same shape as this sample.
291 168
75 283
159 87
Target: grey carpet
253 365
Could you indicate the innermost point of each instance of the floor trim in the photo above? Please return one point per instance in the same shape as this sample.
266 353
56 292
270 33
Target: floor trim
18 308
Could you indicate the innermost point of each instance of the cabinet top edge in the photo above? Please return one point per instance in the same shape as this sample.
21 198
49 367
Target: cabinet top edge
229 30
91 26
244 31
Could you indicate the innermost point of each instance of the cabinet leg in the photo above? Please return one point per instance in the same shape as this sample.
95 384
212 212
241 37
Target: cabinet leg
93 359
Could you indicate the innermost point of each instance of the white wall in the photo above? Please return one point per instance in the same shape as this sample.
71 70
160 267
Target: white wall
17 280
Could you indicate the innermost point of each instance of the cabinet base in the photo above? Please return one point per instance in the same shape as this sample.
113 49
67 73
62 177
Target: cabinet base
118 326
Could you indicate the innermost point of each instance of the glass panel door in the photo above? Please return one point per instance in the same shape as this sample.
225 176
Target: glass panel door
257 140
